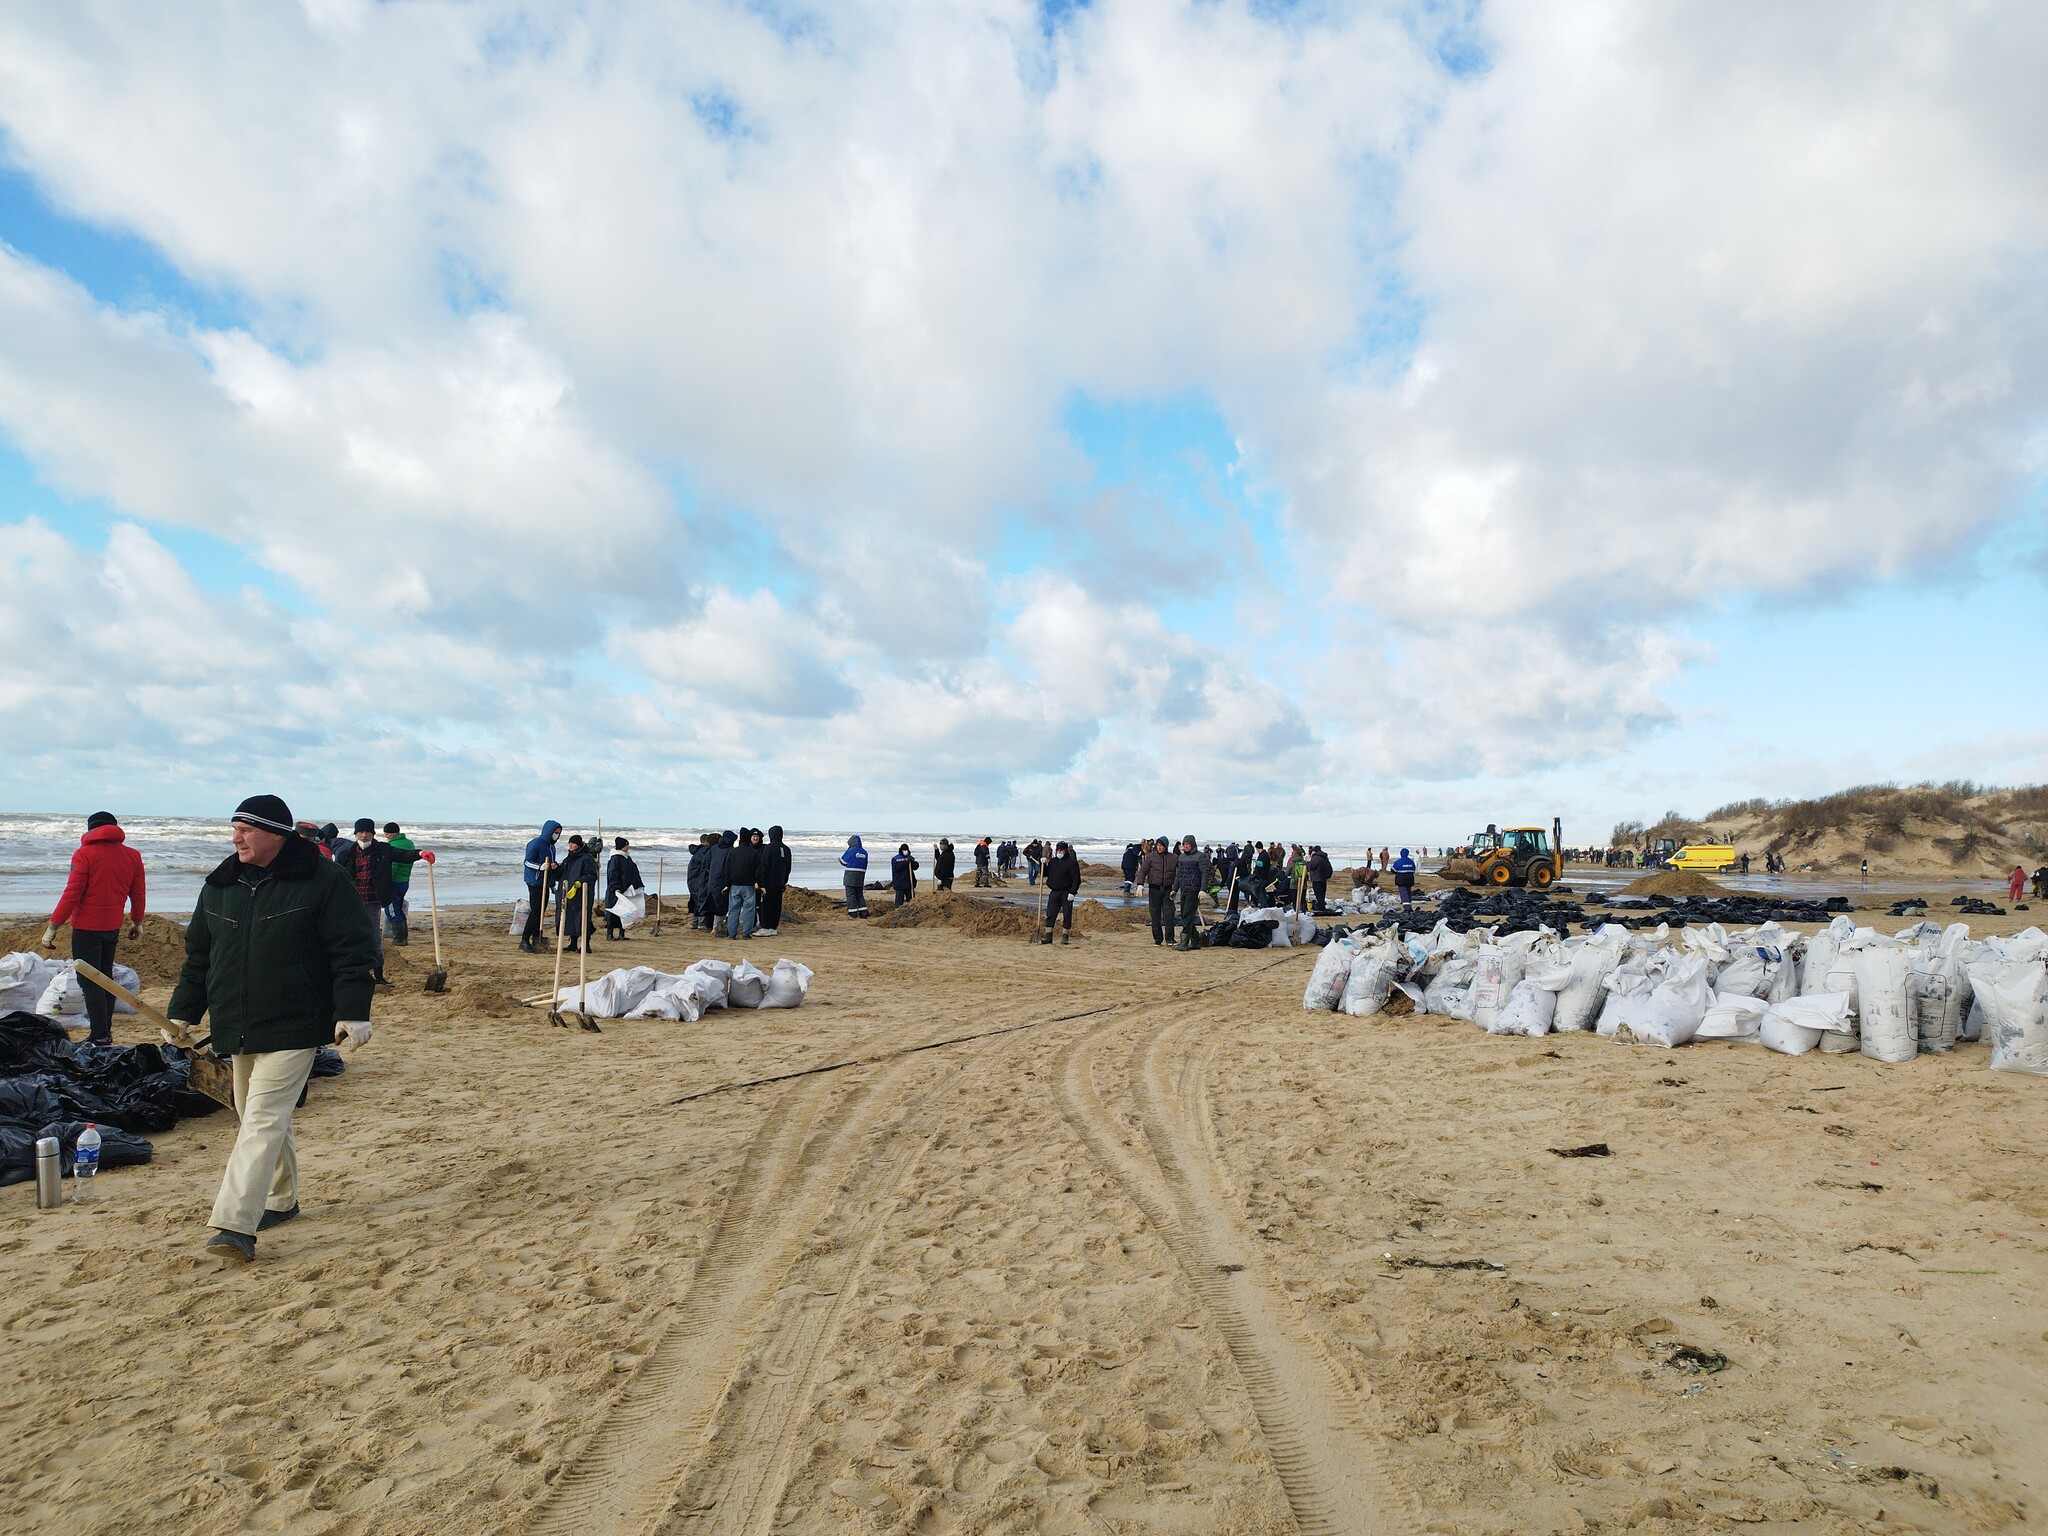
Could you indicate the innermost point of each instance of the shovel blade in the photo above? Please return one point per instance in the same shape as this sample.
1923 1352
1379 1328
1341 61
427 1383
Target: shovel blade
437 980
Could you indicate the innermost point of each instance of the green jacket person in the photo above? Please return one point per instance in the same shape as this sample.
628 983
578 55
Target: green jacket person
280 956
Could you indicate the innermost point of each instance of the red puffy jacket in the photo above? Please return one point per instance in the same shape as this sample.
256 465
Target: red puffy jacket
106 875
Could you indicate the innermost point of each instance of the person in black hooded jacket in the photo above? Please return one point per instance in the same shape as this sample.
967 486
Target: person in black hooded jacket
621 874
718 881
577 877
696 880
742 869
942 864
1062 880
777 861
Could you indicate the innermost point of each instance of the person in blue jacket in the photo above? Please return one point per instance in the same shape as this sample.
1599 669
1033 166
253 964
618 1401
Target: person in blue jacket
540 863
1404 878
854 864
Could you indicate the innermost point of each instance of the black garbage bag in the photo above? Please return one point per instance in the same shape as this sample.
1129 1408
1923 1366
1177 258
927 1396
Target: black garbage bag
118 1148
1254 935
18 1148
29 1042
1221 931
29 1100
327 1062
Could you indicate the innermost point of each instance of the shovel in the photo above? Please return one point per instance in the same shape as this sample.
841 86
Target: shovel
437 978
210 1075
660 870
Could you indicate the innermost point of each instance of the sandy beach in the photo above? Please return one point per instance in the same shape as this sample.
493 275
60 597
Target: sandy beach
1159 1251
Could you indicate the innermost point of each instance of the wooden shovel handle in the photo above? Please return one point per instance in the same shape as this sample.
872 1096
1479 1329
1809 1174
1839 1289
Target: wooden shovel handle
148 1010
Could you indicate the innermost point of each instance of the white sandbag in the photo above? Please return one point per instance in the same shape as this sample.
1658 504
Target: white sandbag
613 995
1325 989
2027 944
1821 952
1670 1012
2016 1012
1629 979
1449 991
1490 985
1785 984
519 910
1884 1010
1733 1018
748 986
629 907
713 978
1798 1024
24 977
62 997
1372 977
790 983
1938 991
1530 1008
1593 961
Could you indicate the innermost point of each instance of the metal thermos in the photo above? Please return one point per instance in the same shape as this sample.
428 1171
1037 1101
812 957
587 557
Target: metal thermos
49 1174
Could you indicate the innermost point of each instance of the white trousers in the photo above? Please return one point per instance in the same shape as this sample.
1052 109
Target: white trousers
263 1170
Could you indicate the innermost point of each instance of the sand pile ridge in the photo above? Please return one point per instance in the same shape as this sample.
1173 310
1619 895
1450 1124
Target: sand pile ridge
157 955
1676 882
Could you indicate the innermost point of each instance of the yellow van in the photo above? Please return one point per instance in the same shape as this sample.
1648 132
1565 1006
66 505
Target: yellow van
1710 857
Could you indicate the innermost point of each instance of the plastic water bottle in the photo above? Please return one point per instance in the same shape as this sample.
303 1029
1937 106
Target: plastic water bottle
85 1163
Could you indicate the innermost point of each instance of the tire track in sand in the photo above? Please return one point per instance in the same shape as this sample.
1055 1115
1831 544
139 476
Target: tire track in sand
627 1473
1330 1462
738 1488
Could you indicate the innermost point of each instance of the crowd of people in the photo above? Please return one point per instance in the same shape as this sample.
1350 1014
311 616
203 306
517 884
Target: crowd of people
734 879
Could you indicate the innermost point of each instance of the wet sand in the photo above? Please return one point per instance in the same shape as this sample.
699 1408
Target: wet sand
1169 1255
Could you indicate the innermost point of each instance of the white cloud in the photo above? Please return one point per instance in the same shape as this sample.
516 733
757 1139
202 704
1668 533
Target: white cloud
1683 306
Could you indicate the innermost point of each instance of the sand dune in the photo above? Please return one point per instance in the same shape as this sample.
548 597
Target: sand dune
1177 1257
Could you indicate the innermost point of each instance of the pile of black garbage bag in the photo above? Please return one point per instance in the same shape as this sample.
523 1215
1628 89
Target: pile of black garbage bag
52 1085
1731 911
1512 909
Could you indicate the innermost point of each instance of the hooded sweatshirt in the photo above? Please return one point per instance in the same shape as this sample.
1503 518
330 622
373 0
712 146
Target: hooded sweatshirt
778 861
540 851
106 874
855 860
1063 873
718 868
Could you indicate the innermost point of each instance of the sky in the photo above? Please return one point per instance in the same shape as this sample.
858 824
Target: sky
1283 419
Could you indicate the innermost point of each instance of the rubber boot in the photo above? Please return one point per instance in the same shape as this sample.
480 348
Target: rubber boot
1065 935
401 933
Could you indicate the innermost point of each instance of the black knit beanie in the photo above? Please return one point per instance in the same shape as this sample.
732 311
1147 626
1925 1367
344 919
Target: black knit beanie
267 812
100 819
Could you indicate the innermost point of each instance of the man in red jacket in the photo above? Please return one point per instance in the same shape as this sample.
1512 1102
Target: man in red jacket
106 875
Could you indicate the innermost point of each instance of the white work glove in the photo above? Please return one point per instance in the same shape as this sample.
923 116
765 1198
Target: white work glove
180 1033
353 1035
49 935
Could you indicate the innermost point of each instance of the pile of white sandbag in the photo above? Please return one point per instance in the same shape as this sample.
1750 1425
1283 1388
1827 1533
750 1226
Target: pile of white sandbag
33 983
641 992
1844 989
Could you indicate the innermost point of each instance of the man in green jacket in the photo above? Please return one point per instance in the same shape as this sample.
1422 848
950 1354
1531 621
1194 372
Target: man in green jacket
395 911
279 950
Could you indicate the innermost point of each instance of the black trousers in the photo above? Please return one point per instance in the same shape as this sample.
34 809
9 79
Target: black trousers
1321 891
1190 906
1162 913
771 904
536 899
95 946
1058 903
